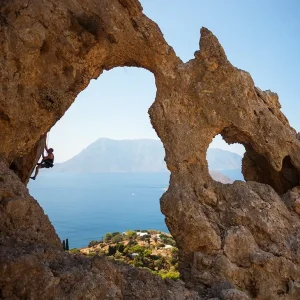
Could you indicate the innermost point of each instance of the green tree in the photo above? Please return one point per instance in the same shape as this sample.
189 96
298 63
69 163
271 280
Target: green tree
138 262
147 253
115 233
93 243
108 236
117 238
120 247
137 249
111 250
131 233
159 264
131 242
167 239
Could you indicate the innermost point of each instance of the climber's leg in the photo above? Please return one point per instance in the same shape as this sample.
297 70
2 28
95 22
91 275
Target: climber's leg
36 171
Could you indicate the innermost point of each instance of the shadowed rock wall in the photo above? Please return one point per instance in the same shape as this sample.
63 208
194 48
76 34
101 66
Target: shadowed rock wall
238 241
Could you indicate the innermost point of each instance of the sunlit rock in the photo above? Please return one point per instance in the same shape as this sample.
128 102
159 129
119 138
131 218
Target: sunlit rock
237 241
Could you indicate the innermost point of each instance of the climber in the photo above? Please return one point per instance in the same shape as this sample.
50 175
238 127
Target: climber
47 161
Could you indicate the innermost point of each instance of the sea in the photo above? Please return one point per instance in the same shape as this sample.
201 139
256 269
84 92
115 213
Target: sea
84 207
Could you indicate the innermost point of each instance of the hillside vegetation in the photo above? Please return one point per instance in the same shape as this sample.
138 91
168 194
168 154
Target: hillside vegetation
151 249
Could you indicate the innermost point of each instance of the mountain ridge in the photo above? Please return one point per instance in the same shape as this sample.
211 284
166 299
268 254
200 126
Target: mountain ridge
107 155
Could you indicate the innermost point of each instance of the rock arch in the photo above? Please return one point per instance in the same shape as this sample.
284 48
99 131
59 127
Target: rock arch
235 241
225 160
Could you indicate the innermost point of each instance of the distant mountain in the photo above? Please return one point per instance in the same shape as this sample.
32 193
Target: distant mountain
219 159
117 156
142 155
218 176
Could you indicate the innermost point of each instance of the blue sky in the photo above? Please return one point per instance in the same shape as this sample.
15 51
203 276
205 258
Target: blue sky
261 37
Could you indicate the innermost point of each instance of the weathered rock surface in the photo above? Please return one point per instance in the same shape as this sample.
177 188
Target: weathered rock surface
33 265
21 217
39 272
238 241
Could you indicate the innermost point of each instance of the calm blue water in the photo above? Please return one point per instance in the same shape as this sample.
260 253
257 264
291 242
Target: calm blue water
83 207
233 174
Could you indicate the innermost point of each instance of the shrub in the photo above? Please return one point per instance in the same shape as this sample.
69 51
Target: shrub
171 275
115 233
93 243
137 262
75 251
160 245
100 252
118 255
117 238
108 237
130 233
120 247
136 249
174 255
175 250
173 261
155 257
168 240
131 243
158 263
147 252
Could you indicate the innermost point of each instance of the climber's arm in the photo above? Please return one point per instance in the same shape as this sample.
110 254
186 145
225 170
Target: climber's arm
46 157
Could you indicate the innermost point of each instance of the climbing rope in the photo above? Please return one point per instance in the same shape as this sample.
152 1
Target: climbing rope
47 139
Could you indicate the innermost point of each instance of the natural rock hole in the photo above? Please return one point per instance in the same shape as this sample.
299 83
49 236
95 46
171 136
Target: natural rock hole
111 177
224 160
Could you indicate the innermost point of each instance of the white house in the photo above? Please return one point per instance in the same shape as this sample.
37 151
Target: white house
168 247
142 233
133 255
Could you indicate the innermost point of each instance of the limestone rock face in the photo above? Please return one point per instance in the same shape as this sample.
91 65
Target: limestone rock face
21 217
236 241
41 272
33 265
